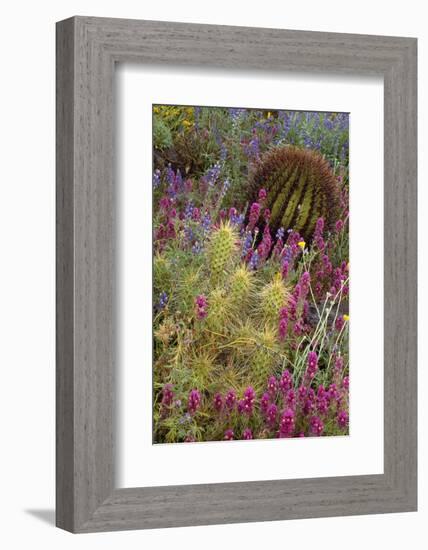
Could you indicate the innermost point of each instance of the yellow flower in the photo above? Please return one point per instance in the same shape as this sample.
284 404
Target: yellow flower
301 244
346 317
187 123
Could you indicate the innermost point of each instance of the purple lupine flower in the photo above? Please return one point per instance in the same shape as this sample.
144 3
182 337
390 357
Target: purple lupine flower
163 300
271 414
287 423
229 434
247 242
286 381
342 419
156 178
272 385
218 402
247 434
193 401
254 260
264 402
230 399
316 425
254 215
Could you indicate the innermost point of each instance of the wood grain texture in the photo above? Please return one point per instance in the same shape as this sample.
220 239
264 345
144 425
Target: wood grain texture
87 50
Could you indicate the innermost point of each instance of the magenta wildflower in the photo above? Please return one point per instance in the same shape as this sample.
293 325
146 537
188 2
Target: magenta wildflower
266 215
218 402
284 269
316 425
229 434
247 434
264 402
262 195
282 328
271 414
167 395
312 366
340 322
342 419
194 401
290 398
254 215
230 399
272 385
339 226
345 383
201 305
189 438
286 381
287 423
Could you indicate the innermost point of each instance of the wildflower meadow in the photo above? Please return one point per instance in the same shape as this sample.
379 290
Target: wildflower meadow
250 274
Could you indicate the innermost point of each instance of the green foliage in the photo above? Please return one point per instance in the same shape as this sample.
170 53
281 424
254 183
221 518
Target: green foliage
162 137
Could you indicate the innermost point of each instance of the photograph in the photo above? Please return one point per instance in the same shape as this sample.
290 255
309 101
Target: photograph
251 273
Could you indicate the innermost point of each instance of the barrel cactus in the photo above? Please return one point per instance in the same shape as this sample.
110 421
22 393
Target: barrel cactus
301 188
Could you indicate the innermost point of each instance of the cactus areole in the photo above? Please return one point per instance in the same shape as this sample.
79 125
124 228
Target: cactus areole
301 188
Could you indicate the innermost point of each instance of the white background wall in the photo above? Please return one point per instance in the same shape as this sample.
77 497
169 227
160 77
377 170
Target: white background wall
27 271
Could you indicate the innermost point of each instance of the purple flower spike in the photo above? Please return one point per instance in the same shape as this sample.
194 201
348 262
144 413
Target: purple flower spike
262 195
201 306
287 423
194 401
317 425
254 215
229 435
312 366
264 402
271 414
342 419
247 434
167 395
286 381
272 385
218 402
230 400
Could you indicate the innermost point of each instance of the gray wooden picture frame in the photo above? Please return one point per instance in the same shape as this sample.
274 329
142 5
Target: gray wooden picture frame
87 50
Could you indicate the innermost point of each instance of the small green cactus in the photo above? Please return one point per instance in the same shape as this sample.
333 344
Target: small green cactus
273 296
300 186
219 310
221 250
241 286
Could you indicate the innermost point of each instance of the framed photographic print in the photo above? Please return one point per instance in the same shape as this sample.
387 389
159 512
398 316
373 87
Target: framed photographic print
236 274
